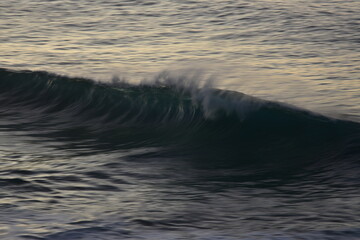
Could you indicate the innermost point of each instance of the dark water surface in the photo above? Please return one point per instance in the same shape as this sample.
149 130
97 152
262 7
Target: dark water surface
193 152
82 160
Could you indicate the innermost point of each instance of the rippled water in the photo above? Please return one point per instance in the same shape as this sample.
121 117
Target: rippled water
303 52
175 158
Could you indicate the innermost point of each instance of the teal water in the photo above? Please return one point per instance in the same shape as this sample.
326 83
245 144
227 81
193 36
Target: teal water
179 120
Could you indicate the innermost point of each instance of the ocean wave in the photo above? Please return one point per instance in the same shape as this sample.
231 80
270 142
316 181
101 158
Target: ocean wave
175 113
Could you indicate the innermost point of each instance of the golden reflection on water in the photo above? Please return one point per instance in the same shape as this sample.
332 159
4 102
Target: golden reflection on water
265 48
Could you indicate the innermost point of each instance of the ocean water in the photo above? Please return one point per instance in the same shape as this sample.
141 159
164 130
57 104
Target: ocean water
162 119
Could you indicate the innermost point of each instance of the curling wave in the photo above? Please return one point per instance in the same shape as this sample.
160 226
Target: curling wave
185 120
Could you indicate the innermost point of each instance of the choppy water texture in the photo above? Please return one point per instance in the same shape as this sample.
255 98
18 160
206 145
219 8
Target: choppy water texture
202 140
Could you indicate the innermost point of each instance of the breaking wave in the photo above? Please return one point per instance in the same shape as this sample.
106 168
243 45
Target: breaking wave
177 117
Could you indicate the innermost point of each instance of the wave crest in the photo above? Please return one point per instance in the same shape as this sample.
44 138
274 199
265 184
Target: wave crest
175 112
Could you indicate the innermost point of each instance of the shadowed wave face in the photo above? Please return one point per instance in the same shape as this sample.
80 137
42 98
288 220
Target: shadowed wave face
170 159
210 126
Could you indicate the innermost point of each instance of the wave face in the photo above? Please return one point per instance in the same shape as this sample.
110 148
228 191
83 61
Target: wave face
88 160
227 126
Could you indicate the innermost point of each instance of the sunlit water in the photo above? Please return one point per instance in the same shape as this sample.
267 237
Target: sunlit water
173 165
